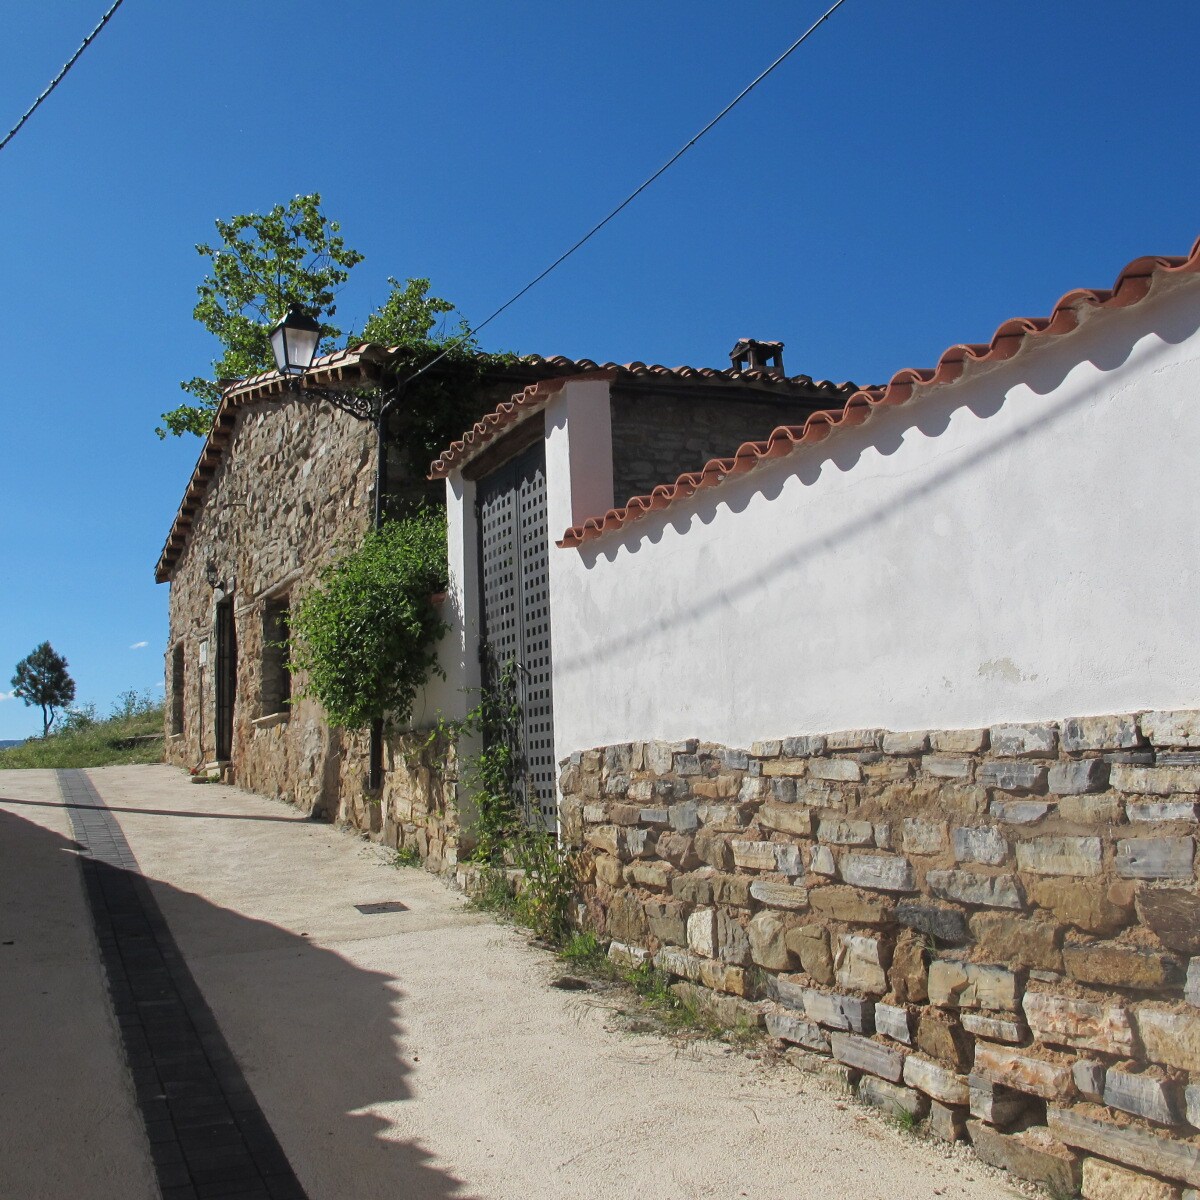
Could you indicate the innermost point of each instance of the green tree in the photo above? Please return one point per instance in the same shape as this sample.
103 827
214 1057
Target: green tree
42 680
263 263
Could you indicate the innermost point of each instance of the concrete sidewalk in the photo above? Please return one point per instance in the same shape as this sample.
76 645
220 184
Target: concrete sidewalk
404 1054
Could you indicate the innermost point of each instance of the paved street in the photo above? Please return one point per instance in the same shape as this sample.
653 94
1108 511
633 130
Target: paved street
204 1011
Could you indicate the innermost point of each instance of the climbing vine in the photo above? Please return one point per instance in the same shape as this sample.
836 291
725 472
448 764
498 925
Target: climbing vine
365 638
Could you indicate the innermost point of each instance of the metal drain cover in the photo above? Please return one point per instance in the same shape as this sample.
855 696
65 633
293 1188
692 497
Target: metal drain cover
381 906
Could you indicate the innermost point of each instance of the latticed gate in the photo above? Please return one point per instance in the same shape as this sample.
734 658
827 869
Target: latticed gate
516 611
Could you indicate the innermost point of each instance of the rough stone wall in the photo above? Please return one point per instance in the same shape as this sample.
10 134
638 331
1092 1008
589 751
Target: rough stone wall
294 489
997 929
655 438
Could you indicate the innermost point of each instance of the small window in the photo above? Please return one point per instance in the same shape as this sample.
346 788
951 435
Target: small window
276 678
177 688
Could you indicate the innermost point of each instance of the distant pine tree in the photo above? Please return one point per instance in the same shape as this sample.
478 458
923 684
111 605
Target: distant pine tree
42 680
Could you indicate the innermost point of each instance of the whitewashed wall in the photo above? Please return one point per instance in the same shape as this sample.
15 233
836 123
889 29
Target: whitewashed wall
1019 545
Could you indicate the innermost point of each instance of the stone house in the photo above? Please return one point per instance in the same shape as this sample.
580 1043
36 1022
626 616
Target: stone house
285 481
883 729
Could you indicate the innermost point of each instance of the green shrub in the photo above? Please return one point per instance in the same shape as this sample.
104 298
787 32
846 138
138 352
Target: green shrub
366 636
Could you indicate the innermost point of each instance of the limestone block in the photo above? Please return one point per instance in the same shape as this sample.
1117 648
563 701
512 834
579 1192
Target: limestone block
788 896
875 1058
993 1102
882 872
810 943
1155 781
883 835
1155 857
935 1081
678 850
609 871
768 749
684 817
841 903
607 838
1191 1098
892 1021
839 770
1020 812
653 875
755 787
822 862
944 766
786 818
970 985
803 747
1024 741
768 945
1077 856
1170 1038
1032 1155
836 1011
788 1027
1022 1072
860 964
1091 810
702 932
726 1010
667 921
733 942
713 848
1088 906
1080 1024
1012 775
995 1029
625 955
892 1098
1113 965
733 890
1019 940
1105 1181
909 975
942 923
1175 728
905 743
946 1123
659 815
1191 989
624 814
1089 1079
967 887
1143 1095
1145 812
855 739
1100 733
625 919
733 760
959 741
595 814
1075 778
923 837
941 1037
782 857
842 832
980 844
1146 1151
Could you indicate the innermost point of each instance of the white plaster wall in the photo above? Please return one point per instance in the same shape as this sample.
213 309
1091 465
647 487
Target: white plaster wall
1017 546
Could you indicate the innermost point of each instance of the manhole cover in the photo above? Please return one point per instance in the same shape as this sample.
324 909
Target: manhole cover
381 906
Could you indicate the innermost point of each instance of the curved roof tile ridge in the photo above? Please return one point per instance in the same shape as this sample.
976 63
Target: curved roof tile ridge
1132 285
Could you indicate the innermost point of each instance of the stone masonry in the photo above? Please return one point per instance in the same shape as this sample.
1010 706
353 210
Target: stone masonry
996 930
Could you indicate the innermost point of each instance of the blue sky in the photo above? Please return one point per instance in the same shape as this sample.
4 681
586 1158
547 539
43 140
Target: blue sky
915 174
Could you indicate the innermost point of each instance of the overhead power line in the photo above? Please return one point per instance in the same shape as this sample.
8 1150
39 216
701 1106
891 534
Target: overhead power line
87 41
595 229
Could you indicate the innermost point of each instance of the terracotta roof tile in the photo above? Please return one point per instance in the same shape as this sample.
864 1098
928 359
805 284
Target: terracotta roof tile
1131 286
534 397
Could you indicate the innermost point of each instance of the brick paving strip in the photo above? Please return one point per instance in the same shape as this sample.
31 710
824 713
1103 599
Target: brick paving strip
208 1136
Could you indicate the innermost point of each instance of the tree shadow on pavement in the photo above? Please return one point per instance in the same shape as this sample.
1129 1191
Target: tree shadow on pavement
317 1038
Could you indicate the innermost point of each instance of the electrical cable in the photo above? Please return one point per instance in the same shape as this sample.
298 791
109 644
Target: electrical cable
87 41
635 193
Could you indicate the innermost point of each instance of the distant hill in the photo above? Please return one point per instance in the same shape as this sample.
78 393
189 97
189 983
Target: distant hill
6 744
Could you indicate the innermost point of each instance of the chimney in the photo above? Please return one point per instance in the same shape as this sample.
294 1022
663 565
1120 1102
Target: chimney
752 355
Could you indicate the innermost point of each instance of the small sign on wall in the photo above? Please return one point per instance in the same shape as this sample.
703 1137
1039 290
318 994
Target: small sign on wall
204 653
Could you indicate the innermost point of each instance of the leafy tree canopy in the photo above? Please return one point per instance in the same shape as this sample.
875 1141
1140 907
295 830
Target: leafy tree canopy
41 680
262 264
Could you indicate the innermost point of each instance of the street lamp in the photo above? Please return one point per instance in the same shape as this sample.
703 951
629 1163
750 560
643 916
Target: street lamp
294 341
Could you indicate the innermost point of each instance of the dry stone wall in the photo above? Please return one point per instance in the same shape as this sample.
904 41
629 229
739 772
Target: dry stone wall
994 929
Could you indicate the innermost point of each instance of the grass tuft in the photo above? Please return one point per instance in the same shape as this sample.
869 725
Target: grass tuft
131 737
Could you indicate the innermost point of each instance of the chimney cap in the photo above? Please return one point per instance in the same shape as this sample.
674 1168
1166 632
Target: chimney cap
751 354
